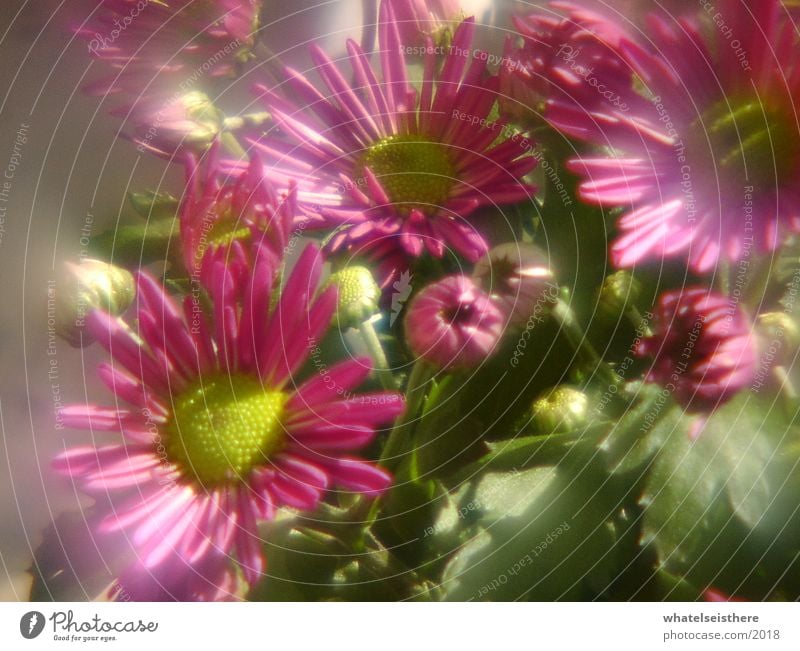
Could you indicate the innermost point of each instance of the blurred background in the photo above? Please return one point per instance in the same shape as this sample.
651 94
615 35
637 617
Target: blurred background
66 174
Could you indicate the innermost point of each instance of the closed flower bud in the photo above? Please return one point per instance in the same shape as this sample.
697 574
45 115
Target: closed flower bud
168 124
560 409
453 323
90 285
702 348
359 295
619 292
519 279
418 19
779 326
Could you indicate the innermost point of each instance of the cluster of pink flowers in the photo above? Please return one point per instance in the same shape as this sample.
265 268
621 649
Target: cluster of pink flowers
692 140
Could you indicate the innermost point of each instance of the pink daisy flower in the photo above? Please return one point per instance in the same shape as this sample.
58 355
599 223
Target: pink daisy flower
417 19
221 214
218 430
572 58
405 167
453 323
706 169
182 39
703 348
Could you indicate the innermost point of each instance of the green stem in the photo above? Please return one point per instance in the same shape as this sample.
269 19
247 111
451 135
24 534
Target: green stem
638 321
786 384
415 393
231 143
373 343
401 432
573 331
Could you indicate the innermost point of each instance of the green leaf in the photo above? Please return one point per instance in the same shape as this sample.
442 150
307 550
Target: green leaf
138 244
154 205
300 566
716 508
559 546
641 431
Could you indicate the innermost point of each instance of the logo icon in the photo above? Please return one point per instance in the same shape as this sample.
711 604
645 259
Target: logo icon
31 624
402 290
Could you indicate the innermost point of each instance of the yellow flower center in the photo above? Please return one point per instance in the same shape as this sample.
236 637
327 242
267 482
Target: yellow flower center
414 171
223 426
227 229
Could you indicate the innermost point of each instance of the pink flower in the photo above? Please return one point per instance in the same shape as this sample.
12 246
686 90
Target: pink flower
220 215
407 169
703 348
453 323
573 59
146 41
712 594
705 164
417 19
218 430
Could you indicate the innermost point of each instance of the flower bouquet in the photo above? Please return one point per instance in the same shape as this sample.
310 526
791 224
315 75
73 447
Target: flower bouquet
473 305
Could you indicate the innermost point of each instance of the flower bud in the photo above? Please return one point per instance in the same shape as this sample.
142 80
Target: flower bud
779 326
453 323
418 19
560 409
168 124
359 295
703 350
89 285
519 279
619 291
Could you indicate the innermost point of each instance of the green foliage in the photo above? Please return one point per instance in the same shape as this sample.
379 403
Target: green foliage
717 508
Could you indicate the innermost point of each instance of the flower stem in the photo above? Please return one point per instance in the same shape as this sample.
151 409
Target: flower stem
786 384
638 321
565 317
375 348
420 375
231 143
